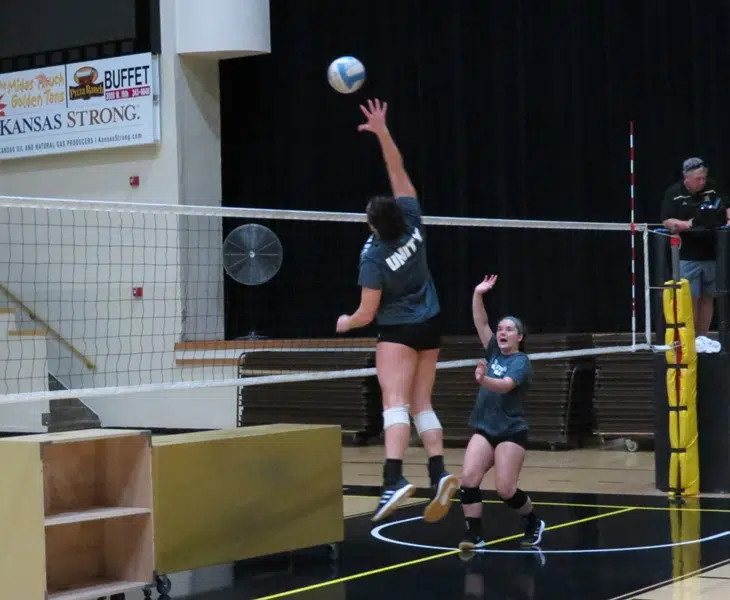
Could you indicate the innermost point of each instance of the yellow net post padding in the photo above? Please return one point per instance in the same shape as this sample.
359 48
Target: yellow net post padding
686 526
684 475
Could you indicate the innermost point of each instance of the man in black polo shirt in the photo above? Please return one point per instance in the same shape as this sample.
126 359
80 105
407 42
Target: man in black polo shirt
694 207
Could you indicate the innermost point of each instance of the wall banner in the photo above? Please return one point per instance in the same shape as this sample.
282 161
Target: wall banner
90 105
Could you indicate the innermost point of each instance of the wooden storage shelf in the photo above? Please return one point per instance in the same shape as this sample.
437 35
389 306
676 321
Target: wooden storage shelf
97 589
77 507
93 514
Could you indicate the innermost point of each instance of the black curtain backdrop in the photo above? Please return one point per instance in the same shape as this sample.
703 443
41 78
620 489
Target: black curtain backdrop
515 110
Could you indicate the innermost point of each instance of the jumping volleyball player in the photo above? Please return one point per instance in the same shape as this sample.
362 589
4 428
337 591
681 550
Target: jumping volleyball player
500 429
398 291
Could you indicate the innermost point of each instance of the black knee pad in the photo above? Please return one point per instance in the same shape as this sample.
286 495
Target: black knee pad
517 501
470 495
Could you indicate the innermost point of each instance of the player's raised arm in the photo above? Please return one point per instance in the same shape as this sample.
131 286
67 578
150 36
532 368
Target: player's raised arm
400 182
479 313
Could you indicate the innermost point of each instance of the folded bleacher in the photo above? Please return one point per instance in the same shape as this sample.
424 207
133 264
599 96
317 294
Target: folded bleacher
327 402
624 397
560 405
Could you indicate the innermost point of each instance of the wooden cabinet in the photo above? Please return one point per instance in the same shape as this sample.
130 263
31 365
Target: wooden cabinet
76 514
228 495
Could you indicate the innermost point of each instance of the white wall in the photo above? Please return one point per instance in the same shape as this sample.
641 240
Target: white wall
77 268
234 28
198 122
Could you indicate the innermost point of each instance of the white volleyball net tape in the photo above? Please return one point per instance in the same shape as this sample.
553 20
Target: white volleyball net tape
102 299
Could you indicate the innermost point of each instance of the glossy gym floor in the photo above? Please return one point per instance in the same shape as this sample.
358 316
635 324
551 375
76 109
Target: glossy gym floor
609 536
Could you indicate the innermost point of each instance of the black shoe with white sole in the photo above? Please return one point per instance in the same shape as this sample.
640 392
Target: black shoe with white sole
391 496
533 532
440 504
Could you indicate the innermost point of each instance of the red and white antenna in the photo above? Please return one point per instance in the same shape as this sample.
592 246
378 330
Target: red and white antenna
632 197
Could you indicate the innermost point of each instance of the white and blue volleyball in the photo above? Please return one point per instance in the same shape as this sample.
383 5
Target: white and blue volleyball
346 74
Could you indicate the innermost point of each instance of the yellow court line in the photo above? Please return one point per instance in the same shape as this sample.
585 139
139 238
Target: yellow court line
606 506
432 557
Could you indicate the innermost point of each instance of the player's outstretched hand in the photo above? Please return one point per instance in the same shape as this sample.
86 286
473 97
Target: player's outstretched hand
486 285
375 115
343 324
480 371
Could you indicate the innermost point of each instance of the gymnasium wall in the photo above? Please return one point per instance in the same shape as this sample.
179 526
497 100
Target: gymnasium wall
88 298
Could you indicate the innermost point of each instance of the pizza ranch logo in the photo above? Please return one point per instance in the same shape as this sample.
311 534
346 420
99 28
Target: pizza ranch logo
86 85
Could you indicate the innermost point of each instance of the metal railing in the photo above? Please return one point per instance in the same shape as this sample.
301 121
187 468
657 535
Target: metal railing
47 328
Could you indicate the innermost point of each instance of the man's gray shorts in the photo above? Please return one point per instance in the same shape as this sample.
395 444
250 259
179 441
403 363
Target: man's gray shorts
701 276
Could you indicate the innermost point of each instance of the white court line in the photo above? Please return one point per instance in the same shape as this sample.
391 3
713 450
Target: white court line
376 533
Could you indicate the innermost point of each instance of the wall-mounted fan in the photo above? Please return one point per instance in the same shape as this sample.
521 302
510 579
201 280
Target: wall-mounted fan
252 255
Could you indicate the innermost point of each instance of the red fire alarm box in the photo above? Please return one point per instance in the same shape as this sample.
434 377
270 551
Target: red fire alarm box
137 292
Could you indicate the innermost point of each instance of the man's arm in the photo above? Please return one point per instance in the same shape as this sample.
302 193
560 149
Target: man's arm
668 220
726 204
400 182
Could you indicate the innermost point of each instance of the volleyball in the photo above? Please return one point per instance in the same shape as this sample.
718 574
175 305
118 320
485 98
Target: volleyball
346 74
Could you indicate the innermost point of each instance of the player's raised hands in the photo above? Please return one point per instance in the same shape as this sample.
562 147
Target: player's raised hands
486 285
375 115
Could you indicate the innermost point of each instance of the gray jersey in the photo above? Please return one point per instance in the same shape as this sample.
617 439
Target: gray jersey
400 270
503 414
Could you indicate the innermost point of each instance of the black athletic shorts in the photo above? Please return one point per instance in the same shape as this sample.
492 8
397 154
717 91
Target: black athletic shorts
519 438
419 336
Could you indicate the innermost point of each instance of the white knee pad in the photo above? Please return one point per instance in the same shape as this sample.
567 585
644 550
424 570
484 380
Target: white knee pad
397 415
425 421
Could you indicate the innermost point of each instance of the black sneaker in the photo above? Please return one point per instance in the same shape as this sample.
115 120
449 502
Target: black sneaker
533 533
390 498
472 541
440 504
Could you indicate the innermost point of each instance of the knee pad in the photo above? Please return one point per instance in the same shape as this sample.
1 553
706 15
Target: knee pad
470 495
425 421
397 415
517 501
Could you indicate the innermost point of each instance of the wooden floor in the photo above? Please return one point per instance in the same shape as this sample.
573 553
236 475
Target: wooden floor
710 584
584 471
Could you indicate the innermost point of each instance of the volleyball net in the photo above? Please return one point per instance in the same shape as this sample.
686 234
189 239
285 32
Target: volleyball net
103 299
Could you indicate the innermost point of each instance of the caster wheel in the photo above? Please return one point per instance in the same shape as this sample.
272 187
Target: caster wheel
631 445
147 593
163 584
